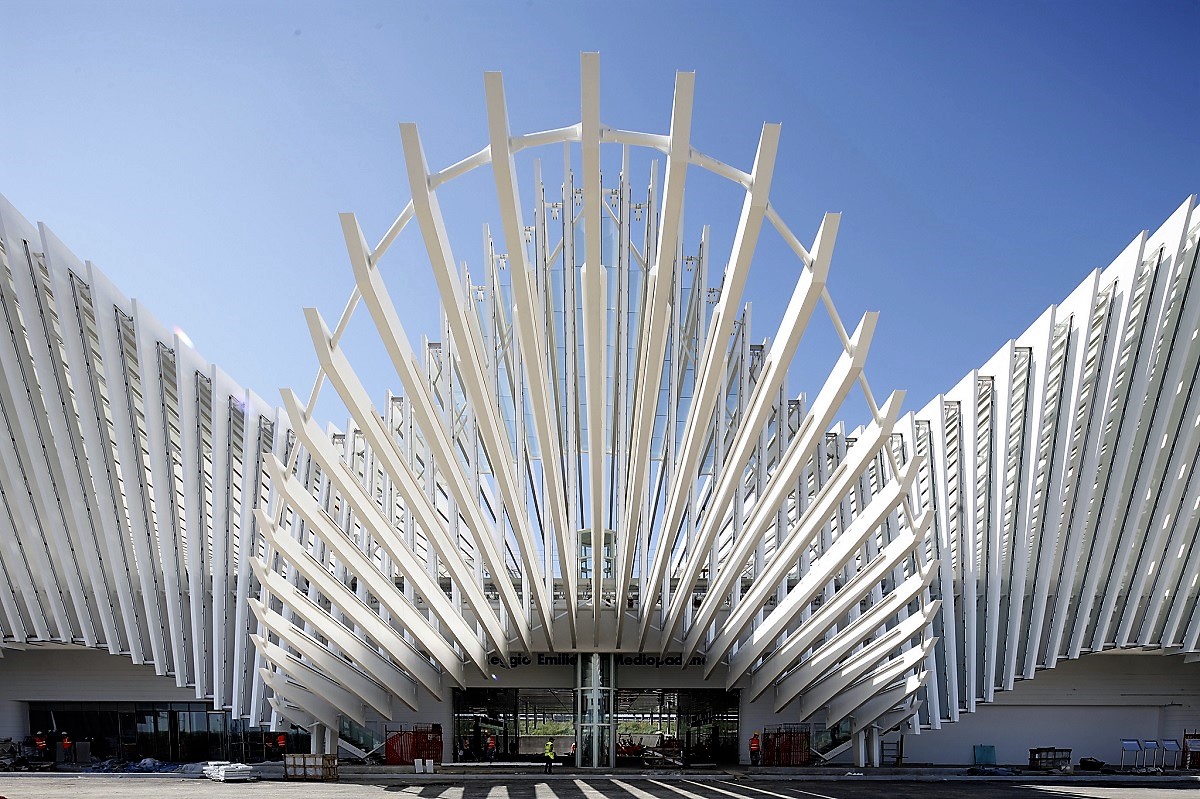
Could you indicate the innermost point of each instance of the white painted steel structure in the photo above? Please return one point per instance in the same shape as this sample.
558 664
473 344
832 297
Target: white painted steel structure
129 472
597 457
1064 477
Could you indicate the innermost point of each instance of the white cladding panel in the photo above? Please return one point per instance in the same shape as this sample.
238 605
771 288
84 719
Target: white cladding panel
14 719
83 675
1085 705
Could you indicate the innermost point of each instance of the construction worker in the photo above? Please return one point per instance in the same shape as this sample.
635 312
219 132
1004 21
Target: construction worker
68 748
40 743
491 749
549 755
755 745
281 742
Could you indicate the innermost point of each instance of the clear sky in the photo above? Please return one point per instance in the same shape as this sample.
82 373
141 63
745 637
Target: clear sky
985 156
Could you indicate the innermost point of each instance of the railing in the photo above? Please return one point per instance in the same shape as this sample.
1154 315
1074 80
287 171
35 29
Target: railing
361 737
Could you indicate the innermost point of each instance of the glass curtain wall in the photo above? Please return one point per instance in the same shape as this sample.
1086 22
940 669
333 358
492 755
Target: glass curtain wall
521 720
173 732
595 693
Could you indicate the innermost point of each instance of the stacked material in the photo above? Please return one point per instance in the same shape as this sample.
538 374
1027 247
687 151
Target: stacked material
224 771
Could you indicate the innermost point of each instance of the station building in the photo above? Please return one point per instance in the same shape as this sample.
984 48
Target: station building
596 510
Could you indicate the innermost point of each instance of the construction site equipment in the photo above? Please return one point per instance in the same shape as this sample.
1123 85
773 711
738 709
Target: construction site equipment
1191 749
405 747
310 768
1131 747
668 754
1049 758
1171 746
224 771
787 745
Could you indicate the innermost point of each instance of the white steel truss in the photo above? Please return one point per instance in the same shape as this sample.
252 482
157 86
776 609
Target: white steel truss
606 444
130 470
598 457
1062 477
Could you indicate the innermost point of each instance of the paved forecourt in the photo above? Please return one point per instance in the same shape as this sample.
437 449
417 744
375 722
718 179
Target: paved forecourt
91 786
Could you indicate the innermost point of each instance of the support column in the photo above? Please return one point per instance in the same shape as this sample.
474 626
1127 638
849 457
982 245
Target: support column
316 739
860 749
331 741
14 719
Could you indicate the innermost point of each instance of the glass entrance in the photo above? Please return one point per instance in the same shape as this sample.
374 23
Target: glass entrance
519 720
597 722
687 727
597 725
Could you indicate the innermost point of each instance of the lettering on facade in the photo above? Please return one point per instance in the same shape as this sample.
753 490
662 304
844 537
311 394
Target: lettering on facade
540 659
571 659
658 661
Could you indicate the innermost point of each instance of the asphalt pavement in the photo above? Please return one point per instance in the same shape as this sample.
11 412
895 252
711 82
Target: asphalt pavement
95 786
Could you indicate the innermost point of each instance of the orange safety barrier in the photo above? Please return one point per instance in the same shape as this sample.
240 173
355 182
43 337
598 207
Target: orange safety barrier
786 748
404 747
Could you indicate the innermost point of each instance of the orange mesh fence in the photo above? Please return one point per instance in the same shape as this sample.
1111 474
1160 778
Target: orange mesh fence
404 747
786 748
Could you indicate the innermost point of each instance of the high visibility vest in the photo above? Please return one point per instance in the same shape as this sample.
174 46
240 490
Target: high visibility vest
66 742
753 744
39 742
549 749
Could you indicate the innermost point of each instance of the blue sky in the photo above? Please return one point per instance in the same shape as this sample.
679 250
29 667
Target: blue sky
985 157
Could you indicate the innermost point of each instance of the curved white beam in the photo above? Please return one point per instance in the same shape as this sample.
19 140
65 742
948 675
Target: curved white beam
465 332
346 702
379 585
820 573
527 316
365 657
844 703
338 594
804 636
773 573
652 341
711 371
782 482
424 408
818 680
303 699
330 664
757 415
595 310
342 376
878 706
323 453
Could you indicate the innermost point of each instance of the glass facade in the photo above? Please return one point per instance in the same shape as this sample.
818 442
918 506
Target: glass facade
595 678
483 713
676 727
174 732
596 724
